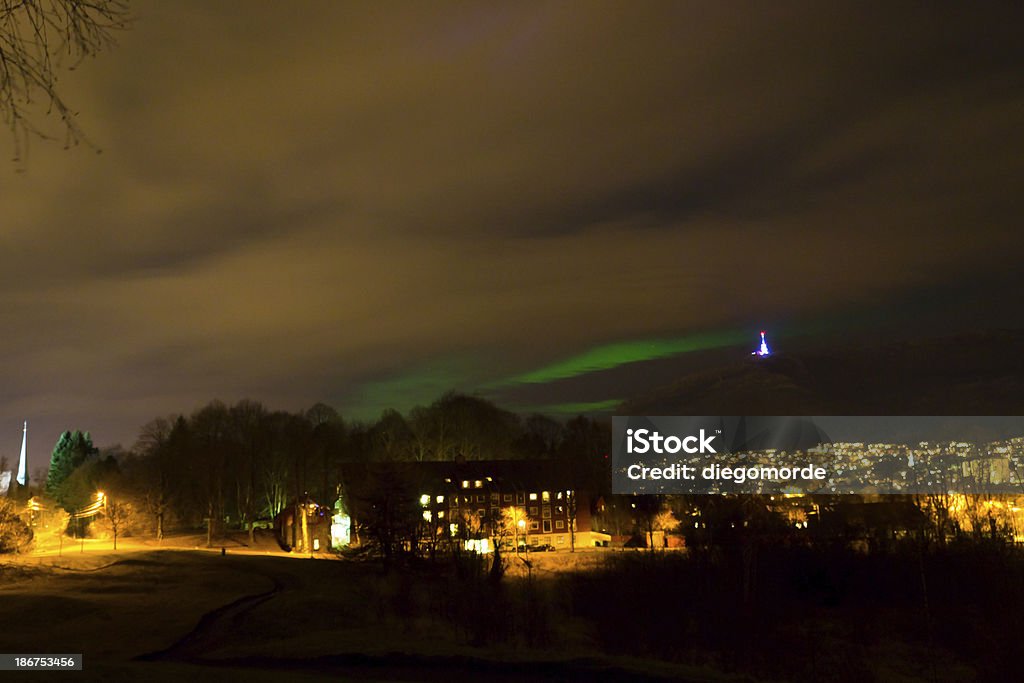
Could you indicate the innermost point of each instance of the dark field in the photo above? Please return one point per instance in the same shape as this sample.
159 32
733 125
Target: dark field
784 614
175 615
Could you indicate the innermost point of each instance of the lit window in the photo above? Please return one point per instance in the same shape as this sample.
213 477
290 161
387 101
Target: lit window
427 517
559 496
533 496
425 500
440 514
465 484
478 484
478 545
453 529
440 499
559 524
545 496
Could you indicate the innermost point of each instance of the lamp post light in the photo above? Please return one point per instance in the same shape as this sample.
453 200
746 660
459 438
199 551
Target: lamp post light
99 503
526 543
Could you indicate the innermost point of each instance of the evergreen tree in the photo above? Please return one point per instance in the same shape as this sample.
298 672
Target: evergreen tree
71 451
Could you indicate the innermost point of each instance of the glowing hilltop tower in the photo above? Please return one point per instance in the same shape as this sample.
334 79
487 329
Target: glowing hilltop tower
762 350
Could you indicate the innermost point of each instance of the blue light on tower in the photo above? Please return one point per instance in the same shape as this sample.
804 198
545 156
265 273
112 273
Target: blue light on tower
762 350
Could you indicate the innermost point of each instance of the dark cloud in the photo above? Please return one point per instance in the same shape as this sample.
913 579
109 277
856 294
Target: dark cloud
323 200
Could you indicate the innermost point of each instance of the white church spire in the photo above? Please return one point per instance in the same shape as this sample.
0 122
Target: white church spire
23 464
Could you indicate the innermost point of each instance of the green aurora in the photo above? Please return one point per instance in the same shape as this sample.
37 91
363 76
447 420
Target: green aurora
608 356
572 408
426 383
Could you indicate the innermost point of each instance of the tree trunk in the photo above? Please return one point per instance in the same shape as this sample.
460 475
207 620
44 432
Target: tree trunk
305 532
496 567
295 526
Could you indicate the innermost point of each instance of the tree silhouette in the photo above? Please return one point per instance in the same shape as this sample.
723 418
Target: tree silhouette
160 468
118 516
35 37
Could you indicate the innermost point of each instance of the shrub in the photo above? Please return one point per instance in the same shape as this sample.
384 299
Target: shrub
15 534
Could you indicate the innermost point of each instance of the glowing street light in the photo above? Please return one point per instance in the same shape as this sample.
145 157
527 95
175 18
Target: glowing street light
91 510
520 525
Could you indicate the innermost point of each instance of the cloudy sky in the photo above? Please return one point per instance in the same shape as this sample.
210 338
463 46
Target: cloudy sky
370 203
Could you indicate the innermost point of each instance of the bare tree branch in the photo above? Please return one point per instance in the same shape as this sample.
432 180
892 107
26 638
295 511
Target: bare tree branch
36 37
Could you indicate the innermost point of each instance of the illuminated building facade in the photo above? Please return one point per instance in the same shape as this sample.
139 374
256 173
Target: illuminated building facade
525 503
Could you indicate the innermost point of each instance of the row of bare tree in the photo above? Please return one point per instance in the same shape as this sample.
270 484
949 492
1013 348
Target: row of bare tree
238 464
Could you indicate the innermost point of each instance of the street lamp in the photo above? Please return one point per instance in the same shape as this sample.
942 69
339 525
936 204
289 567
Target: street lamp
90 510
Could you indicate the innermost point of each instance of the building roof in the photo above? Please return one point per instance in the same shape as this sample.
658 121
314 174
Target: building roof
506 475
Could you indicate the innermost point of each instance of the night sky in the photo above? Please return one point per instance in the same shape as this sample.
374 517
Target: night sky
370 204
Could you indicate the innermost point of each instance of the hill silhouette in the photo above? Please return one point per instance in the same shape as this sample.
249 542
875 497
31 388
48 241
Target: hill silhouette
972 374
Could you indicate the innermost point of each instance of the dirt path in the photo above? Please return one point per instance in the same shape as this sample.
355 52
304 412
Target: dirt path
218 627
215 626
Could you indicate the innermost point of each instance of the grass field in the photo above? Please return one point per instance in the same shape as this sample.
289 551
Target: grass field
186 613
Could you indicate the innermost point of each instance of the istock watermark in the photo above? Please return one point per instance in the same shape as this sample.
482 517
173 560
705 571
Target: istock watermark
818 454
